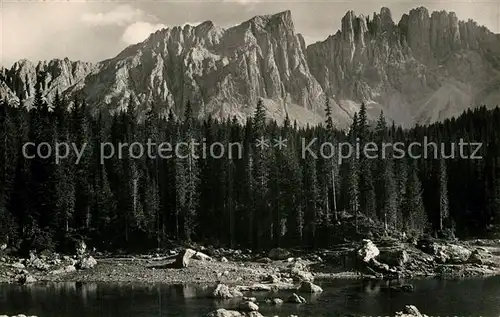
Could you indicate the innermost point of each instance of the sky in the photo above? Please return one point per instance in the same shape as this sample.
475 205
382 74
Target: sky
95 30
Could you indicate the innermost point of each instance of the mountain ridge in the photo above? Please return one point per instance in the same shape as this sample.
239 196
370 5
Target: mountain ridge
406 69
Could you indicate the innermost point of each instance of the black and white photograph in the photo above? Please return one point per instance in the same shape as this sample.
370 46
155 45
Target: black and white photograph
249 158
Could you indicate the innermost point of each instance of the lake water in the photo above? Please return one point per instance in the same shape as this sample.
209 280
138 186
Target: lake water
475 297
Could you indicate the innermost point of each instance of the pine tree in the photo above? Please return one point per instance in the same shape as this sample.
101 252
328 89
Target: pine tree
104 200
351 174
385 187
64 170
444 212
208 186
190 177
311 200
81 134
367 201
42 181
7 223
290 209
259 170
150 191
414 217
333 161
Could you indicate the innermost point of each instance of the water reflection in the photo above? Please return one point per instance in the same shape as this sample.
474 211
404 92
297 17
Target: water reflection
434 297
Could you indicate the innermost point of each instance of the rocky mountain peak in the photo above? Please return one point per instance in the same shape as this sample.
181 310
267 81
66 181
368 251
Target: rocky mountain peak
283 18
222 72
426 67
409 69
54 75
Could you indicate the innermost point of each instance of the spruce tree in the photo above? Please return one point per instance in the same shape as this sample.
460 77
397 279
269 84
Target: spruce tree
367 201
333 161
414 216
262 218
385 187
444 212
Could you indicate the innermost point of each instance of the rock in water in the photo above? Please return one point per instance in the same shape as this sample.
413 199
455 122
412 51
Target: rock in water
278 254
308 287
183 258
250 299
368 251
276 301
248 306
410 311
232 313
296 299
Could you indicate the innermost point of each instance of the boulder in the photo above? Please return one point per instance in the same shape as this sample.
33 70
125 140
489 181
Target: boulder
250 299
39 264
308 287
409 311
263 260
67 269
394 257
224 260
452 254
201 256
221 312
26 279
223 291
255 288
18 266
479 256
86 263
248 306
272 278
428 246
279 254
368 251
299 272
182 260
296 299
276 301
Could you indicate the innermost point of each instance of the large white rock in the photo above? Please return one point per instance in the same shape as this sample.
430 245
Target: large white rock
368 251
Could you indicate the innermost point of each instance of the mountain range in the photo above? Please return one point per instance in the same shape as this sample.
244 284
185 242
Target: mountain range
424 68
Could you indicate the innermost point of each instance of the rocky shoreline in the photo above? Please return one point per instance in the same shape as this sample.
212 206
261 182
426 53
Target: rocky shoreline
389 259
285 274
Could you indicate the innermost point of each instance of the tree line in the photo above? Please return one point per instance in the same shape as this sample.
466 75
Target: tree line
266 197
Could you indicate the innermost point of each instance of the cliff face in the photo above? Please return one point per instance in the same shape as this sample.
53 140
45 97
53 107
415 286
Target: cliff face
20 80
424 68
222 72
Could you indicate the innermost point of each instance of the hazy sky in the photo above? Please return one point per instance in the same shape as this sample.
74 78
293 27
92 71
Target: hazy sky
94 30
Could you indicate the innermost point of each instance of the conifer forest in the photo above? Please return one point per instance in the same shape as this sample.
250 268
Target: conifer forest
263 198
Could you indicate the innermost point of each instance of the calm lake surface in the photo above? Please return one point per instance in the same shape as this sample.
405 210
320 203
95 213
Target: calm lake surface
475 297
